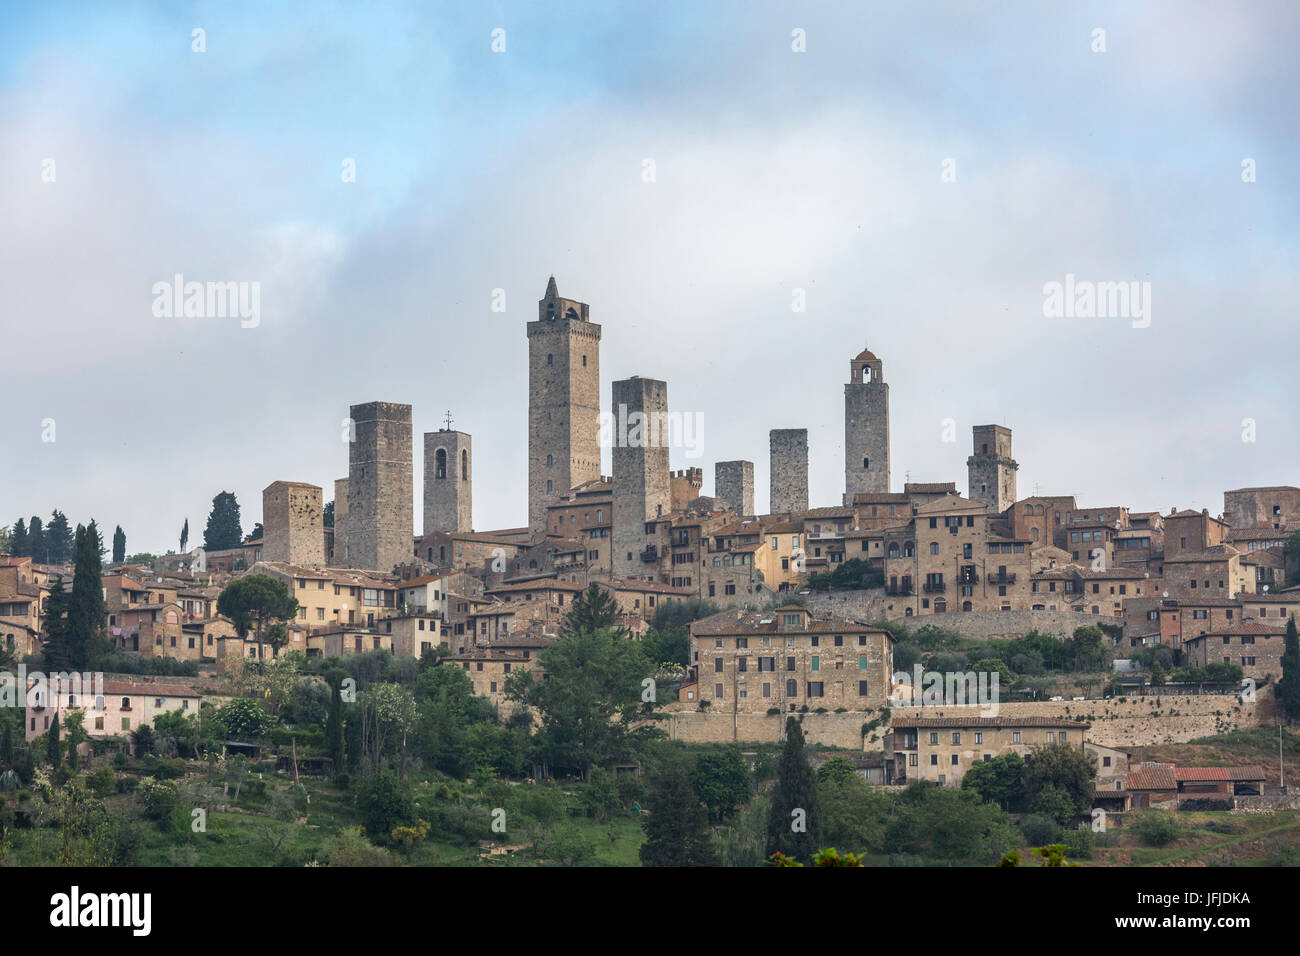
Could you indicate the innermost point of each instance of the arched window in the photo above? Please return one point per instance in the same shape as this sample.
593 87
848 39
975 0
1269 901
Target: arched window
893 549
909 549
440 466
126 703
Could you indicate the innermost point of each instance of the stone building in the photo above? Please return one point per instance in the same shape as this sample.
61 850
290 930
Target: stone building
733 484
785 659
563 402
788 491
1276 507
685 487
291 524
641 474
1193 532
448 481
940 750
866 428
381 497
1255 647
991 469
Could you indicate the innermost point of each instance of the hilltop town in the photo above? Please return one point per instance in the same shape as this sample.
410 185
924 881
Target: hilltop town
1111 629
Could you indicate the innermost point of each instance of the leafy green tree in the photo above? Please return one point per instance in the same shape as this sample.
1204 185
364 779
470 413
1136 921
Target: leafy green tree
19 545
119 545
721 780
677 826
58 539
944 823
590 703
852 813
6 541
794 825
1060 780
1000 780
254 601
592 610
837 768
385 804
670 645
244 719
1086 649
1288 688
223 531
671 614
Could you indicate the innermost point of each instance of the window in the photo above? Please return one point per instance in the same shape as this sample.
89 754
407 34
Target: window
979 736
862 688
816 663
1015 736
791 688
815 688
862 662
956 738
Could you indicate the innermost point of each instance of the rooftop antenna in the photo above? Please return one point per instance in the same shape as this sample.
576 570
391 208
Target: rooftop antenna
448 420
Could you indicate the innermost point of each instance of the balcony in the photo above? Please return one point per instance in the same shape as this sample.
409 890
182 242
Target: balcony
650 554
970 577
899 590
934 587
1002 577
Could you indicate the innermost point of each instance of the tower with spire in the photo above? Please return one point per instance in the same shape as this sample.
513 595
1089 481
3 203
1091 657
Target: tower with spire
563 402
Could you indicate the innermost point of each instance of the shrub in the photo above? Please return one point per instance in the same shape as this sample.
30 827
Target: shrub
1079 843
1158 827
103 782
1040 830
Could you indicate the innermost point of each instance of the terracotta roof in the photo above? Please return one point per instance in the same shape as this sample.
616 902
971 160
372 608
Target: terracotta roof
1218 773
908 723
1151 778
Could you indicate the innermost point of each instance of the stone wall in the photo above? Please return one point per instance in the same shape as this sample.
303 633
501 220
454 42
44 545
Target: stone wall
871 606
1123 723
292 529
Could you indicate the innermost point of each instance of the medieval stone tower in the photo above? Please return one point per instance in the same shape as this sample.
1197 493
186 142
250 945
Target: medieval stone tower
291 524
866 428
563 402
789 478
642 488
381 497
448 481
340 556
733 484
992 472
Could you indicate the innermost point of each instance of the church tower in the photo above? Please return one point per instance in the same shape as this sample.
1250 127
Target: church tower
563 402
866 428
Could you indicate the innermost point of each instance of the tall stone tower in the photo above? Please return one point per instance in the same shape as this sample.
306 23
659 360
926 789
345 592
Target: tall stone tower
789 479
733 483
340 557
866 428
381 497
291 524
642 488
448 481
992 472
563 402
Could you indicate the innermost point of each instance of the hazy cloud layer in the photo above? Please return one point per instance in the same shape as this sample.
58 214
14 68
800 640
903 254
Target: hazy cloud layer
774 171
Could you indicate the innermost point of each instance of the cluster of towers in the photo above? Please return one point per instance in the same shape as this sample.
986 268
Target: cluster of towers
373 505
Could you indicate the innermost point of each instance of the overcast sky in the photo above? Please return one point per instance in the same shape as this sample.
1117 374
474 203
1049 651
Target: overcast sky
774 171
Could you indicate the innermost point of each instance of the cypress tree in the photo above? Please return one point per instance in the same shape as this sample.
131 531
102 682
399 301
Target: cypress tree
223 530
185 535
54 625
7 746
334 726
1288 688
36 541
793 828
53 746
58 539
86 612
119 545
19 546
677 828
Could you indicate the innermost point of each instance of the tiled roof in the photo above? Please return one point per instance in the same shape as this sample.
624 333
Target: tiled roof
1218 773
909 723
1151 778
